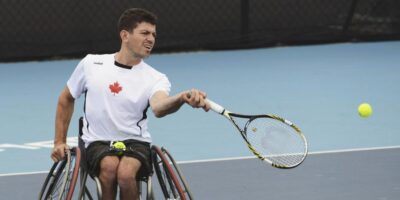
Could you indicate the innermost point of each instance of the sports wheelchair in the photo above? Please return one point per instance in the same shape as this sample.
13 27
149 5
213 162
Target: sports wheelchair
62 178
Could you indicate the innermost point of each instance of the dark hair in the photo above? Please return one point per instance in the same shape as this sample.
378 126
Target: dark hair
130 18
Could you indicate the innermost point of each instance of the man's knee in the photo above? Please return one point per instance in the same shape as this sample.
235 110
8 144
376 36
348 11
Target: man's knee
127 171
109 167
126 180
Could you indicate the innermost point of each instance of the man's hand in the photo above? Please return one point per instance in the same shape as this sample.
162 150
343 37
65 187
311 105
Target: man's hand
196 99
59 152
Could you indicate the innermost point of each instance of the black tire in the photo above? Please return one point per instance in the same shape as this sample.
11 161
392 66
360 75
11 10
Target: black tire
179 173
61 179
168 180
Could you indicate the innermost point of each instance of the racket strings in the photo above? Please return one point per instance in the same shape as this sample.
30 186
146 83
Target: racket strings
276 141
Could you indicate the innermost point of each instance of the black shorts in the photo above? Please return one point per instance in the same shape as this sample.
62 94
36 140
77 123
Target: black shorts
136 149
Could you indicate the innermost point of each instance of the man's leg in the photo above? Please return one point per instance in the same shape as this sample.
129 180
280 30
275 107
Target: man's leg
127 170
108 176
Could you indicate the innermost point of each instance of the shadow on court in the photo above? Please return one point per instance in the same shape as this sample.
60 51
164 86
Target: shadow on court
366 175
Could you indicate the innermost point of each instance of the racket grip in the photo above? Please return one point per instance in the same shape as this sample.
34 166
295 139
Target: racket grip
215 107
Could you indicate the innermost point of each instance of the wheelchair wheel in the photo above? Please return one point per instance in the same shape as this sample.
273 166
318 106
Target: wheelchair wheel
179 173
167 178
61 179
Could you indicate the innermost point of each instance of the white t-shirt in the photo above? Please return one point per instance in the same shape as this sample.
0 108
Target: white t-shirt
116 98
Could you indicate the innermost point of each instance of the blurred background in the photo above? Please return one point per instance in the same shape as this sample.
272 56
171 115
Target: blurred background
48 29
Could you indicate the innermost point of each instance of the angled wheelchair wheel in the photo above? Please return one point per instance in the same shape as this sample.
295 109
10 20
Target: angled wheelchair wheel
178 172
168 177
61 179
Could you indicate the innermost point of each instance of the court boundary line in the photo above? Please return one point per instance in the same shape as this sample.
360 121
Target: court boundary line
239 158
310 153
24 173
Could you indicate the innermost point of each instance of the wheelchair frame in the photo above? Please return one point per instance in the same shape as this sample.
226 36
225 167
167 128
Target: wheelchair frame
172 182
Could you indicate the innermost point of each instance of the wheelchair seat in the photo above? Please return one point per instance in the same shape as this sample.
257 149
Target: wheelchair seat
84 172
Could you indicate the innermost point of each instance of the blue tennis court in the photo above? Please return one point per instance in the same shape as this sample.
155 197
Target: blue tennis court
317 87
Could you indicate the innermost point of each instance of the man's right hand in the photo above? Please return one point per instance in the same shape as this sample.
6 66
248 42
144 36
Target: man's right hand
59 152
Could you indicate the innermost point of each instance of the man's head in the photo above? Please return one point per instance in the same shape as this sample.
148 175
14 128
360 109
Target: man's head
130 18
137 30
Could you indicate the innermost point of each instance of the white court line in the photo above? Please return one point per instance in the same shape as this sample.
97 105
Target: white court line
24 173
355 149
310 153
239 158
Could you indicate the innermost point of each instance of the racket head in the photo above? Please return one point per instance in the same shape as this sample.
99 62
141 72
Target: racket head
276 140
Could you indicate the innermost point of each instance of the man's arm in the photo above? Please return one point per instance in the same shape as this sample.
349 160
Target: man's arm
65 109
162 104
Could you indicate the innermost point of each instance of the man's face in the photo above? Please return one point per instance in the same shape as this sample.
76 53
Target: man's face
142 39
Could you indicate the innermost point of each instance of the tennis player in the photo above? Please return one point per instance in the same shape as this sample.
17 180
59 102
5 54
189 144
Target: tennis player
119 88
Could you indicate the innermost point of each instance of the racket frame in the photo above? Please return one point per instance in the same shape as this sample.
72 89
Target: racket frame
243 132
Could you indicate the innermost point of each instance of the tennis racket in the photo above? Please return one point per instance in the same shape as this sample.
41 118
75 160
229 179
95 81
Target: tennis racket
270 138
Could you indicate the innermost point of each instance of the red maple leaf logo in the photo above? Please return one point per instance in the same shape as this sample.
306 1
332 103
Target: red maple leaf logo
115 88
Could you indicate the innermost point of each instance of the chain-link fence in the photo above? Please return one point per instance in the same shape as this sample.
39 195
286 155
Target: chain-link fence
37 29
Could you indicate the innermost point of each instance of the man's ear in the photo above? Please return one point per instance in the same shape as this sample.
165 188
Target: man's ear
124 35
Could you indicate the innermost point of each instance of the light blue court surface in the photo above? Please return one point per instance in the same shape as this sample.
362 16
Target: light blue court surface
316 87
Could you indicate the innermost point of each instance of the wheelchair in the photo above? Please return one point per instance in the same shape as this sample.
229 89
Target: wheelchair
62 178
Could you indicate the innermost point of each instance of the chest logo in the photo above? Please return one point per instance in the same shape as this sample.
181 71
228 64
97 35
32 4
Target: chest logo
115 88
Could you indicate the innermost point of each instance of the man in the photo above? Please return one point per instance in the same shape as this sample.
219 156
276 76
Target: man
118 90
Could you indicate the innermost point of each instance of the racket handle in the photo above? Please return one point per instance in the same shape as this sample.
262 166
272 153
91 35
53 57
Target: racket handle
215 107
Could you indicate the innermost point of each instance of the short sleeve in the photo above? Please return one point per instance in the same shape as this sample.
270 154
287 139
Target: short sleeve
162 84
77 82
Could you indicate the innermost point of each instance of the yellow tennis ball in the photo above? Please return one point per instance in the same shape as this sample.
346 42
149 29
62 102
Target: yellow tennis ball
119 145
365 110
